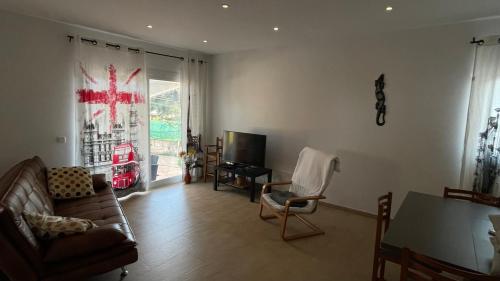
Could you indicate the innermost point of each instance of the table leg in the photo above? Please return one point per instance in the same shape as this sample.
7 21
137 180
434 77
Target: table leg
252 190
270 176
216 178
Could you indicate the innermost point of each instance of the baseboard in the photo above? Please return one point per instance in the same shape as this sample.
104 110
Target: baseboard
347 209
164 182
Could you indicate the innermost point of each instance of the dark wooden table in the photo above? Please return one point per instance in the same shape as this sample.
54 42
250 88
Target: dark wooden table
251 172
452 231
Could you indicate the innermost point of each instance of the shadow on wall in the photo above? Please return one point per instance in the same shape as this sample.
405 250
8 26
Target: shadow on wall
363 178
282 150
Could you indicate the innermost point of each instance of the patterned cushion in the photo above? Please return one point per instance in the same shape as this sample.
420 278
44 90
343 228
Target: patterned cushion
48 227
70 182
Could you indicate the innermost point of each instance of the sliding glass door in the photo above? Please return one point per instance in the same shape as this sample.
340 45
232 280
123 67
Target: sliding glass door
165 130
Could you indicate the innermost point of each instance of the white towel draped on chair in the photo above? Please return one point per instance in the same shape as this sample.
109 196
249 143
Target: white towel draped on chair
313 172
311 177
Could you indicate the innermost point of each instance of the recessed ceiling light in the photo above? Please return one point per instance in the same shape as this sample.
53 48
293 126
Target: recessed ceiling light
225 6
388 8
205 41
276 28
149 26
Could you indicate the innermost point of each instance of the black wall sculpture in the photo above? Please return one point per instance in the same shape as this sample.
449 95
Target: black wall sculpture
380 105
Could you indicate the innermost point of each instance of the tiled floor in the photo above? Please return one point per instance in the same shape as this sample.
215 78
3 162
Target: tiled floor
192 233
168 166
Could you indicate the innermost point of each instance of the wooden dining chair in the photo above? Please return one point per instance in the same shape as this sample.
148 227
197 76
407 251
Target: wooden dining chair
472 196
383 221
213 157
418 267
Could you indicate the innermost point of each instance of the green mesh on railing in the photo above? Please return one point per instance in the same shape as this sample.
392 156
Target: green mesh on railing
163 130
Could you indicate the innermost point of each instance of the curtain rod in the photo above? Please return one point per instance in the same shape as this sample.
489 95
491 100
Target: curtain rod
117 46
478 42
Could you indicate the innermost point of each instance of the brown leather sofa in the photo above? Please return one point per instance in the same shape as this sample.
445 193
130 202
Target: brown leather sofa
24 257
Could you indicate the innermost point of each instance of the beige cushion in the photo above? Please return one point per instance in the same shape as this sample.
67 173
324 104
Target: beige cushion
69 182
48 227
495 262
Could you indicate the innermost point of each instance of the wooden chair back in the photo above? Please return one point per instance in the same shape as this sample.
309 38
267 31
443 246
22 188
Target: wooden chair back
212 157
193 143
219 142
383 215
215 150
417 267
383 221
472 196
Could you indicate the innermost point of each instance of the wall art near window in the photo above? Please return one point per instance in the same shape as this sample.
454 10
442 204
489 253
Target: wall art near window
380 105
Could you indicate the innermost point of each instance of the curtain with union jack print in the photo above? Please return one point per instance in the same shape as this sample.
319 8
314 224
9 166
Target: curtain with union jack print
111 114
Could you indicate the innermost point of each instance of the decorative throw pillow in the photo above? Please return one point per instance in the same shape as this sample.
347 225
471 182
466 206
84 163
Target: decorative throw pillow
49 227
70 182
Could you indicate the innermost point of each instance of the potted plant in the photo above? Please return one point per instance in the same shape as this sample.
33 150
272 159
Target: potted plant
154 166
189 159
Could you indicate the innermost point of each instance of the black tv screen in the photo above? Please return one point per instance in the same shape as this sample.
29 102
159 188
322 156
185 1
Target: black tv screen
244 148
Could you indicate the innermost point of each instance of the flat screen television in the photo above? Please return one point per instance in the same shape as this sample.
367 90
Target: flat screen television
244 148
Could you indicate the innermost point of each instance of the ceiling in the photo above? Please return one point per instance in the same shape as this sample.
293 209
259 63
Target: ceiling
248 24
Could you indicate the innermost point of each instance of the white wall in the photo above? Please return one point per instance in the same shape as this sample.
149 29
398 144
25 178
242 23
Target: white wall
36 70
321 94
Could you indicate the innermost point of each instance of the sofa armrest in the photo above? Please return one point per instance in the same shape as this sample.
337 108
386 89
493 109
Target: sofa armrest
99 181
93 240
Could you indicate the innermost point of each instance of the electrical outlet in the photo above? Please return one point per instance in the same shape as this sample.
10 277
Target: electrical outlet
61 139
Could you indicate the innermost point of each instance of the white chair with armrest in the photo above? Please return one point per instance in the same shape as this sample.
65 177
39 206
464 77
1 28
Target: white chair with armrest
310 179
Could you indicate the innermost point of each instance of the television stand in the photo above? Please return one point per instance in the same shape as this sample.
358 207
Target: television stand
246 171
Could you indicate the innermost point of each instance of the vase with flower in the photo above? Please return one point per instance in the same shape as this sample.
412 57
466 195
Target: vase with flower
189 159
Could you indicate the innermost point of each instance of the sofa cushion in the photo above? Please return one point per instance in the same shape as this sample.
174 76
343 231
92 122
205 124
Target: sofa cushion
103 209
85 266
99 181
49 227
24 188
91 241
70 182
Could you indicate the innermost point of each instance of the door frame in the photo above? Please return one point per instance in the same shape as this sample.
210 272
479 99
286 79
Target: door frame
164 75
